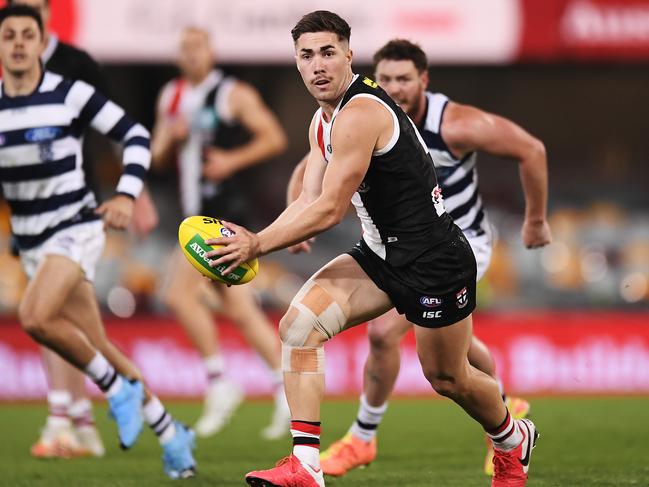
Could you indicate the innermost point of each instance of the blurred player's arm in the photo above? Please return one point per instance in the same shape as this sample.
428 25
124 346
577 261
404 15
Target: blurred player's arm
96 111
268 137
322 202
145 215
466 129
168 133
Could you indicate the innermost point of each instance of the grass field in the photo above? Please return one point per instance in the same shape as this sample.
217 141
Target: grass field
584 442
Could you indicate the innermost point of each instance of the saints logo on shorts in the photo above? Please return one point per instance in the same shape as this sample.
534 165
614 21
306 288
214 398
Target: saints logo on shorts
462 298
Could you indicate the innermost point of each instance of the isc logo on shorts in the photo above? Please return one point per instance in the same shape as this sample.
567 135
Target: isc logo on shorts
431 302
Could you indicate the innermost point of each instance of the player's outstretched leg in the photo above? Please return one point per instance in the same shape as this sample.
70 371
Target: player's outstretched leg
339 296
130 403
177 441
442 353
480 357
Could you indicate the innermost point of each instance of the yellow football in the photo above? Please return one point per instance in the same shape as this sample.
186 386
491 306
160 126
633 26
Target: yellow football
192 233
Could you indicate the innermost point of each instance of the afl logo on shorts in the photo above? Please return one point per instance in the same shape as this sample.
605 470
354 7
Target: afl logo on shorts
226 232
430 302
462 298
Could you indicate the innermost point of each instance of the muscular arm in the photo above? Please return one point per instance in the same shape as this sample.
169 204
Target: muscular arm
268 137
294 187
466 129
360 127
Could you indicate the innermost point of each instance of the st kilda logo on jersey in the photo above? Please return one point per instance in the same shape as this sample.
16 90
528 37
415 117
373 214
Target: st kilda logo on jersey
462 298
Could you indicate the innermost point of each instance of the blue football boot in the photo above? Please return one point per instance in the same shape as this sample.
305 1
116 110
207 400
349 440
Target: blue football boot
126 409
177 453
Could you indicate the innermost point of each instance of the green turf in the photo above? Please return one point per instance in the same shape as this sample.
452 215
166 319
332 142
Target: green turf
589 442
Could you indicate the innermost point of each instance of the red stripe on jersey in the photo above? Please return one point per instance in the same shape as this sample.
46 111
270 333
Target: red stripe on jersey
321 137
179 87
307 428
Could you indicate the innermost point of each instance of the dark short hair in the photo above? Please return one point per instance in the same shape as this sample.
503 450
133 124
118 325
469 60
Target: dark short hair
402 50
21 11
322 21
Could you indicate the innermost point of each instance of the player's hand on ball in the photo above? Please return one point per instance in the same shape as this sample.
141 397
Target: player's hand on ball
302 246
536 234
116 212
236 249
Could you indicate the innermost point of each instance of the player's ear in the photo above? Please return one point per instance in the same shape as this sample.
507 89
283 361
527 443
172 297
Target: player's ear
349 55
424 77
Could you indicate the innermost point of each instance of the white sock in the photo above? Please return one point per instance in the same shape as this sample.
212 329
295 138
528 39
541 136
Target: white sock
80 412
214 366
507 436
104 375
58 401
367 420
159 420
308 455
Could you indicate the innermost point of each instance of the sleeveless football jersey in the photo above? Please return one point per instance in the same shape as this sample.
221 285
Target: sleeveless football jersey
458 178
206 109
398 202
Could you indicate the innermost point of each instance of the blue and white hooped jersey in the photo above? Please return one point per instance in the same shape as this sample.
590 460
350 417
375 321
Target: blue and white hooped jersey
41 168
458 178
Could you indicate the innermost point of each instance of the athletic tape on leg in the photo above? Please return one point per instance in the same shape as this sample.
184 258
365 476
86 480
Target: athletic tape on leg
313 308
303 360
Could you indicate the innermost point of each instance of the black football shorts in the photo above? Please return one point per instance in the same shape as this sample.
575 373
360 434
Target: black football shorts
436 289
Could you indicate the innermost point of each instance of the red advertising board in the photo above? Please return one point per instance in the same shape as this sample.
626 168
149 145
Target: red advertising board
584 30
536 353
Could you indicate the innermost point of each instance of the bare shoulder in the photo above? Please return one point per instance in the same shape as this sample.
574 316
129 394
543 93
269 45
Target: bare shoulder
460 120
244 92
366 112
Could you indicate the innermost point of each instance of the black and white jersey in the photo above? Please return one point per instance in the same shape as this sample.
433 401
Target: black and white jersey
399 202
40 155
458 178
206 108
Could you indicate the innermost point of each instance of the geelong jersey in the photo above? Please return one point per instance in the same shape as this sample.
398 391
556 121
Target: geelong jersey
40 155
458 178
205 107
398 202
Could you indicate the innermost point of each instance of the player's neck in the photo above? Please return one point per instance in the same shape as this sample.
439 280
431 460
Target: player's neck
195 79
420 110
23 83
329 106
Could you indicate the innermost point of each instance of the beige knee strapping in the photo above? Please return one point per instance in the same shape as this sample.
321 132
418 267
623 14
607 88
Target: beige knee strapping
313 308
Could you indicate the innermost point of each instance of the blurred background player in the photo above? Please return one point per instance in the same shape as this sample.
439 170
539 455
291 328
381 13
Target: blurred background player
58 227
216 126
453 133
70 427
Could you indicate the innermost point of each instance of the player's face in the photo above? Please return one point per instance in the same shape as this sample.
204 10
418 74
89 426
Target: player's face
403 82
196 58
324 63
41 6
21 44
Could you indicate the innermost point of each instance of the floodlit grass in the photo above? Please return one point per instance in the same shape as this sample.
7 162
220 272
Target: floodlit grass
584 442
